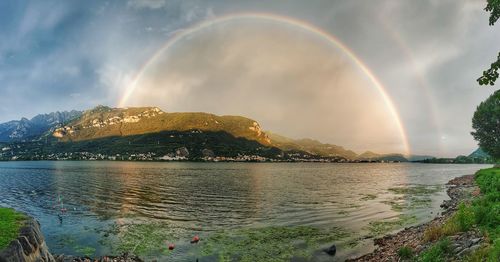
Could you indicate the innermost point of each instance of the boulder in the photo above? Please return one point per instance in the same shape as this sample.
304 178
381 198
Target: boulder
29 246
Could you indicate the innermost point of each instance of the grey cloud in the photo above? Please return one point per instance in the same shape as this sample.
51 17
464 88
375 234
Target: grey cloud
426 54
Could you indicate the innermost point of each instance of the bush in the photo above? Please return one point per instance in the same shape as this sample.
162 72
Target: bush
405 253
487 207
464 218
433 233
438 252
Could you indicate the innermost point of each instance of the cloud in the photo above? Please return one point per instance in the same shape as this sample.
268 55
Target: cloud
427 54
291 81
151 4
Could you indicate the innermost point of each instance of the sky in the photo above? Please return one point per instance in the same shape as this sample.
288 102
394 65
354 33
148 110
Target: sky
386 76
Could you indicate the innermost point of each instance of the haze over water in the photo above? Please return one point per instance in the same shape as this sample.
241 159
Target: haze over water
102 198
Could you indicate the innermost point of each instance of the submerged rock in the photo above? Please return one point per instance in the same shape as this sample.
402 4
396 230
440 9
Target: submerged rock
126 257
331 250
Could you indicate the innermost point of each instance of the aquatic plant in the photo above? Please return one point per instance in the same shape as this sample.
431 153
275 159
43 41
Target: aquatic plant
385 226
269 243
412 197
367 197
416 190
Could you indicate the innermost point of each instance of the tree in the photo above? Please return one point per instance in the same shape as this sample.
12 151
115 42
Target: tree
486 123
491 75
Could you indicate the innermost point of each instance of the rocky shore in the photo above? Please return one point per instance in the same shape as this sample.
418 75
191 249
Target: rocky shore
29 246
459 190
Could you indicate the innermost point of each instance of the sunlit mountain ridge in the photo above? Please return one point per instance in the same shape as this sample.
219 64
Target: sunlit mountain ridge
140 130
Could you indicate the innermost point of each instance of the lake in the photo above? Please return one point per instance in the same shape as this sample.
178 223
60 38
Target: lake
241 211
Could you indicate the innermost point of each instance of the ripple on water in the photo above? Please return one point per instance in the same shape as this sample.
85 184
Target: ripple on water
111 204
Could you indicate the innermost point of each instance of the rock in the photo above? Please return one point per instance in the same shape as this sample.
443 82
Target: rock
30 245
475 240
331 250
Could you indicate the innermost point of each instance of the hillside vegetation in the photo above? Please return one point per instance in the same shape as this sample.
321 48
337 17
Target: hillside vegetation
104 121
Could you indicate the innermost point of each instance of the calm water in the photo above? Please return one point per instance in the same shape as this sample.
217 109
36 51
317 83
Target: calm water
107 202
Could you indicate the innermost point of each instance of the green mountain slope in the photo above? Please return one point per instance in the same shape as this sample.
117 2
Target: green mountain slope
102 122
311 146
371 156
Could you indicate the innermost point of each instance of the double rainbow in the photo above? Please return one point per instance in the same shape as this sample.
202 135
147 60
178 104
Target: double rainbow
332 40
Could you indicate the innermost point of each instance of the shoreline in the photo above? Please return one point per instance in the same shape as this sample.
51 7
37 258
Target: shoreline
460 189
387 247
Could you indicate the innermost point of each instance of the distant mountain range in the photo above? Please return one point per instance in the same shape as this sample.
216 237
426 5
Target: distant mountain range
150 131
28 129
476 157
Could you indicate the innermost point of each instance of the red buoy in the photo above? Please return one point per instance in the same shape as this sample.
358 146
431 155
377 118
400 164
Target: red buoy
196 239
171 246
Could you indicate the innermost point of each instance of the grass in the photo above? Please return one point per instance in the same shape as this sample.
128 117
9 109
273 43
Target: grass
461 221
405 253
483 213
437 253
10 223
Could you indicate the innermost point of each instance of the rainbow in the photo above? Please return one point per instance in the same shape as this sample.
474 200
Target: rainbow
420 79
279 19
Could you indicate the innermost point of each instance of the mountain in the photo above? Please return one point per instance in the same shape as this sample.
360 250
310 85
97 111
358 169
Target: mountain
476 157
27 129
416 158
104 132
310 146
479 153
371 156
102 122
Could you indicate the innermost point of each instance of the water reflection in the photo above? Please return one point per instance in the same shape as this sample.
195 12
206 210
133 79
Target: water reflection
206 198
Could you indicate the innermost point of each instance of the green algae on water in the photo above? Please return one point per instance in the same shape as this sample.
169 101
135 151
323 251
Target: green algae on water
139 238
269 243
385 226
85 250
412 197
367 197
416 190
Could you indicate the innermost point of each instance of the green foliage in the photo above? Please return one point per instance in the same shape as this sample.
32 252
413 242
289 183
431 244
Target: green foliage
309 145
405 253
491 75
162 143
10 223
464 218
98 123
487 207
486 122
437 253
493 7
483 212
